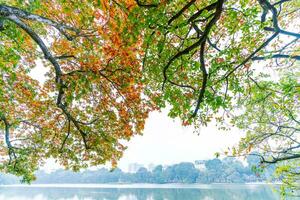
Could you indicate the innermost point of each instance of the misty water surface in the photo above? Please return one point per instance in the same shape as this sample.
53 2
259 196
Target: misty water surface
138 192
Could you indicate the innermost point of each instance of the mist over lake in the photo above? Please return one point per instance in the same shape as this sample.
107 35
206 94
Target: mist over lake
139 192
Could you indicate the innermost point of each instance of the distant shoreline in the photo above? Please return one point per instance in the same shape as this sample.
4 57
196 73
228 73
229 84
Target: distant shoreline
143 185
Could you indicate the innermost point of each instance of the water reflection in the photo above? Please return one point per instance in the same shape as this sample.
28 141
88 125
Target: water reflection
243 192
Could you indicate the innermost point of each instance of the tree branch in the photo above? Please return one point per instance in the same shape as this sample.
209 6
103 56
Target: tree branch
145 5
203 38
297 35
252 54
276 160
208 8
11 151
58 72
181 11
204 80
8 10
275 56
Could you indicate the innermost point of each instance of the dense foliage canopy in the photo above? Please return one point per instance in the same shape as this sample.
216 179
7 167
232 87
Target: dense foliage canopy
110 62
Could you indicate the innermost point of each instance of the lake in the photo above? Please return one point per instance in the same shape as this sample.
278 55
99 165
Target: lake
139 192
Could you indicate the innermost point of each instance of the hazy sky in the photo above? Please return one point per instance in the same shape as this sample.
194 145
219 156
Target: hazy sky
165 141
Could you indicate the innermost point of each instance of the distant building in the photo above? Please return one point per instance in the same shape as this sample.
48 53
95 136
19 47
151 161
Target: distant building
151 167
134 167
200 164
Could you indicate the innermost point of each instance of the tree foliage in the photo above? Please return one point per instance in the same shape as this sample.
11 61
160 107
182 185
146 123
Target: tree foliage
228 170
92 94
112 62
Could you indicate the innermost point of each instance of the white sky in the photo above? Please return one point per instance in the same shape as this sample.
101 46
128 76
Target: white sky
166 142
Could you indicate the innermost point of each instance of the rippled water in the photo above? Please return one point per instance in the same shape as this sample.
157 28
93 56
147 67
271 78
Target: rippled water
138 192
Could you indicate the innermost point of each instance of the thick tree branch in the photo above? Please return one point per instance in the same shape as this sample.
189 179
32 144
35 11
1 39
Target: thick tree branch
180 12
208 8
203 38
204 80
58 72
279 159
40 43
280 2
267 6
275 56
8 10
11 151
67 136
297 35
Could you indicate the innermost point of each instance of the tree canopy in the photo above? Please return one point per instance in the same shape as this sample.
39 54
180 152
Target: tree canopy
111 62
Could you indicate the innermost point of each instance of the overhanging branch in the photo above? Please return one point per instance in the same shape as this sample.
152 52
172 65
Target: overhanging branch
60 84
276 56
62 28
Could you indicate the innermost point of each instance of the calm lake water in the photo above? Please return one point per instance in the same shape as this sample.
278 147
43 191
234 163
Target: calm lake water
138 192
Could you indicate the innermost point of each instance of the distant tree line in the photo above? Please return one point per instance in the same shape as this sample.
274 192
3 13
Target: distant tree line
228 170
